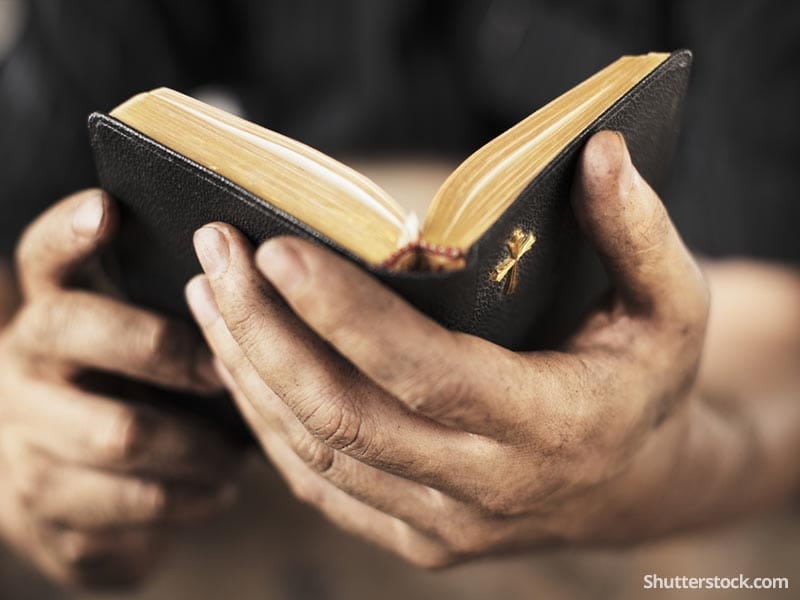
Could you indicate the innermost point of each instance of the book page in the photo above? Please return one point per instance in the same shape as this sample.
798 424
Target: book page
317 190
485 185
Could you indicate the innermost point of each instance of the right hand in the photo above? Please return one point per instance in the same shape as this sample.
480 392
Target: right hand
91 479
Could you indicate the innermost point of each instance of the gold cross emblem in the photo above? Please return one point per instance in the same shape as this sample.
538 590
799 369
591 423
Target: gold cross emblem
519 244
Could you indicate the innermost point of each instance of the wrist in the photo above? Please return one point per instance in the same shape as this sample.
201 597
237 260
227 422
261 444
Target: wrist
707 464
644 501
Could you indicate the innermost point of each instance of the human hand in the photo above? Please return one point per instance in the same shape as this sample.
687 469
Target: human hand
441 446
93 480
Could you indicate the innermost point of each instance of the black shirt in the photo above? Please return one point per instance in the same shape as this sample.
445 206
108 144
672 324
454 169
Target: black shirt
417 76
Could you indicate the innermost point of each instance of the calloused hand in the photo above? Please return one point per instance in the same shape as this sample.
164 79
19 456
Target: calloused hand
92 481
442 446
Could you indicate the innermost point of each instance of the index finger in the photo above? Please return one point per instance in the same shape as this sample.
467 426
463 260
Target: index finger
334 402
453 378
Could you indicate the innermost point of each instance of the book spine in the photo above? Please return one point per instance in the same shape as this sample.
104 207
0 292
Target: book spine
424 256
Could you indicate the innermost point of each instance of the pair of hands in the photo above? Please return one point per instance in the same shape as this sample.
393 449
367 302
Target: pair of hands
93 479
441 446
436 445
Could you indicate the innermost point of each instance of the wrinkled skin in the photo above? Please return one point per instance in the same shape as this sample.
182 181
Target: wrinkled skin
94 482
441 446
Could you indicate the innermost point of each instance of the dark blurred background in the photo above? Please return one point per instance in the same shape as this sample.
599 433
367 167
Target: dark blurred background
405 90
414 77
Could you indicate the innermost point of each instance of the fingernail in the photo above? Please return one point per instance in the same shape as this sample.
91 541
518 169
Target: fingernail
88 217
281 264
627 172
212 250
201 301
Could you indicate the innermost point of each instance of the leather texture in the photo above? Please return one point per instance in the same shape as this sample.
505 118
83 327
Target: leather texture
166 197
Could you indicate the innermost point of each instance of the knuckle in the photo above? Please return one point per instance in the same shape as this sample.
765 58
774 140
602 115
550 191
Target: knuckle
431 391
306 491
335 319
149 500
335 424
36 479
420 551
433 559
314 453
565 438
466 540
39 321
333 416
654 227
243 326
157 341
502 503
572 456
163 344
79 550
124 436
574 423
501 493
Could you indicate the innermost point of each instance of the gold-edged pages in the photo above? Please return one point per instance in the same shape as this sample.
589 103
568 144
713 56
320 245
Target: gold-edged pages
350 209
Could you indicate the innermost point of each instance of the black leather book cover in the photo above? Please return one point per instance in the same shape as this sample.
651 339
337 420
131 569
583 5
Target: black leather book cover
165 197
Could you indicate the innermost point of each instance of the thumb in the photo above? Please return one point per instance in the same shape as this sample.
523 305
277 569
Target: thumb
63 240
650 267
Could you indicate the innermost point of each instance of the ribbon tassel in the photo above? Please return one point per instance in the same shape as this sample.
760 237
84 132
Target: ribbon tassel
508 270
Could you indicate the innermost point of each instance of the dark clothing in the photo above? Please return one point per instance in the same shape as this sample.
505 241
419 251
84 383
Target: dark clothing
416 76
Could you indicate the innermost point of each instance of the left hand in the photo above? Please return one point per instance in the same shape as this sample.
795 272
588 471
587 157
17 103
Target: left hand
95 477
442 446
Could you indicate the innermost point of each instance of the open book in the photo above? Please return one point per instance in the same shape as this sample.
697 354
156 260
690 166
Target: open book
483 260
